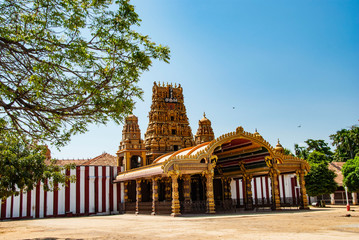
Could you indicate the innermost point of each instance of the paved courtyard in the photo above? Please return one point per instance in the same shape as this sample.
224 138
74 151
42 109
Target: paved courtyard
327 223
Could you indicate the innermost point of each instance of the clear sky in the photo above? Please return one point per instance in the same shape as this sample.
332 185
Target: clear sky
270 65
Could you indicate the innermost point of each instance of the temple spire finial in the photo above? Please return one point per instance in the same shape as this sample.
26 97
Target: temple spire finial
204 114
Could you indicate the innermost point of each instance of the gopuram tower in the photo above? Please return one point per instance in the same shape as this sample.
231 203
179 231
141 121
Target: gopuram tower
168 129
131 153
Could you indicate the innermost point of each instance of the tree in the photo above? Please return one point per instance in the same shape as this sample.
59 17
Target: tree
65 64
21 167
347 143
301 152
316 157
350 172
319 146
320 180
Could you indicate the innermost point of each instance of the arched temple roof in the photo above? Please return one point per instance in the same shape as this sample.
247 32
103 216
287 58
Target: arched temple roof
228 149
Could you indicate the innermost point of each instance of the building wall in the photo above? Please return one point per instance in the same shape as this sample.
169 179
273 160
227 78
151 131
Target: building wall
261 187
92 193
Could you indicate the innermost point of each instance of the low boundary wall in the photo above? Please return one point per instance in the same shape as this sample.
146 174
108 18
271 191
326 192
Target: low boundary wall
92 193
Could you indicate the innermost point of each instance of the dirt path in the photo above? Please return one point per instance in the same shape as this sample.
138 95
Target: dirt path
328 223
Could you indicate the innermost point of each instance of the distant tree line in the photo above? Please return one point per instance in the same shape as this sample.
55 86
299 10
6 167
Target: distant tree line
320 180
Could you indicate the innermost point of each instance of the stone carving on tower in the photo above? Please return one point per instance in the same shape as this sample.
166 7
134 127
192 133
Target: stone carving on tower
168 128
132 151
205 131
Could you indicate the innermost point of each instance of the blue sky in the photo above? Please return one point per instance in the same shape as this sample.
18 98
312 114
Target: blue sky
280 64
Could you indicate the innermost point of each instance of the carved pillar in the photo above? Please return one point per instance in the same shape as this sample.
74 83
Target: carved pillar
225 188
168 189
154 195
138 195
355 198
303 191
210 195
229 180
187 193
125 194
247 178
176 211
273 174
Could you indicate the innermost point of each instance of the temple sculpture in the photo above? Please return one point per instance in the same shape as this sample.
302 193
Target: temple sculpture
173 172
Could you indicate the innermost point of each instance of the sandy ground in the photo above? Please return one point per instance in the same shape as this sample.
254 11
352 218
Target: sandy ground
327 223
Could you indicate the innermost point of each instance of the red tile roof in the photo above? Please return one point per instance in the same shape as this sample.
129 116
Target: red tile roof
104 159
337 168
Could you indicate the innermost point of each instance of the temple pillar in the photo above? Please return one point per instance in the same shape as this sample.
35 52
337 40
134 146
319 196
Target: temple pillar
138 195
229 180
303 191
210 195
154 195
332 199
225 188
168 189
125 194
273 174
125 190
187 193
355 198
247 178
176 211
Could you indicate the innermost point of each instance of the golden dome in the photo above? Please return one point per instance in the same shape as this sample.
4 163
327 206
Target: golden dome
279 147
257 134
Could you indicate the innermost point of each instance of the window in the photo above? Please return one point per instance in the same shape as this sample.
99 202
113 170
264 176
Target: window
175 147
172 118
173 132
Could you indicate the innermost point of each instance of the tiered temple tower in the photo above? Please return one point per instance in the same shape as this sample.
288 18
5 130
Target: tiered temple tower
168 129
132 152
205 131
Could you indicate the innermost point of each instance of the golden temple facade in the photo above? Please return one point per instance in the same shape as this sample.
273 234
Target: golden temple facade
172 171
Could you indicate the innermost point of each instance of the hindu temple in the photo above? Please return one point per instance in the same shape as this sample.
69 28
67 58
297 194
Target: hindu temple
172 171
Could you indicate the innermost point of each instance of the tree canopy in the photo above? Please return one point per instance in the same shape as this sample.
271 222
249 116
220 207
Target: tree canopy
22 166
318 146
65 64
346 142
350 172
320 180
316 157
